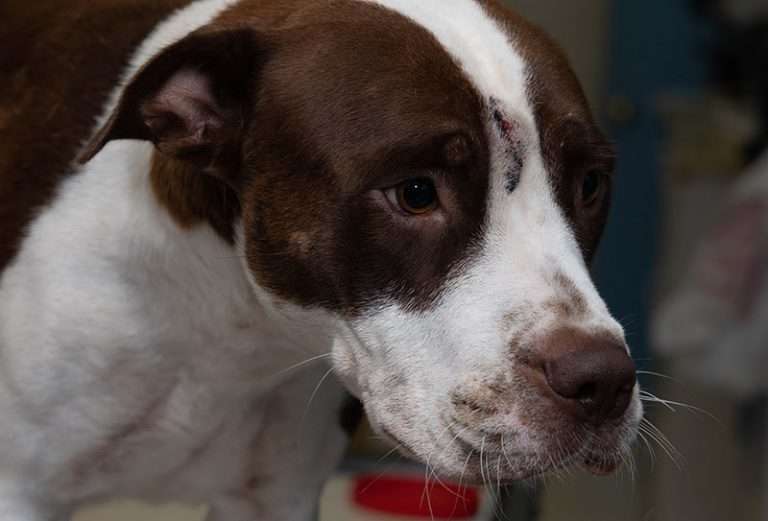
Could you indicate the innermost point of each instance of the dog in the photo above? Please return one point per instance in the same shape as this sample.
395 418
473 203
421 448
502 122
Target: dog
219 217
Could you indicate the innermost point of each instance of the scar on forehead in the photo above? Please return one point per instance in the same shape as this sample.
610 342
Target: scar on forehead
510 137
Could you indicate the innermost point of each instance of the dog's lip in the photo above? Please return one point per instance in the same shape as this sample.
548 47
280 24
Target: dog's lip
599 466
595 461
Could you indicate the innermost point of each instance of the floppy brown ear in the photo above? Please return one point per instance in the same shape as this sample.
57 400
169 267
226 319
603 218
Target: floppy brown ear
190 100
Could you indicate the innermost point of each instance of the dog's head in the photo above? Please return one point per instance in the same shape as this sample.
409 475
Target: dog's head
427 174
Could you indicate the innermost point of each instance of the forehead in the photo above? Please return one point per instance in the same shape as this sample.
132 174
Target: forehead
364 79
403 66
423 52
504 56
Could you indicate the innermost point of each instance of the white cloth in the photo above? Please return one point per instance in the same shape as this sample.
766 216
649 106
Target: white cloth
714 326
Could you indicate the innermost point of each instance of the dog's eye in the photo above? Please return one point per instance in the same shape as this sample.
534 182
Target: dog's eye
417 196
592 187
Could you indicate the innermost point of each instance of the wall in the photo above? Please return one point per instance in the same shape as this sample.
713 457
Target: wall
581 27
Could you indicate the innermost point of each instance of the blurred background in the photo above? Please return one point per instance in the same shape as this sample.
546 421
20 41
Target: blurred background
681 86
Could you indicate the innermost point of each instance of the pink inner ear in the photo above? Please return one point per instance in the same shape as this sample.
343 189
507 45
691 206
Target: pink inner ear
183 109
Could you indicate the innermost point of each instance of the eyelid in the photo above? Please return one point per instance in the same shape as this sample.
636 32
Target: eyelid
391 194
437 176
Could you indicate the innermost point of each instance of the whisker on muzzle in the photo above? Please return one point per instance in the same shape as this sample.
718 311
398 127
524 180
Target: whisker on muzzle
654 433
302 364
671 405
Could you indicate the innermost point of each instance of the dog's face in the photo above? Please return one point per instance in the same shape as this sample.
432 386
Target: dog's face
427 176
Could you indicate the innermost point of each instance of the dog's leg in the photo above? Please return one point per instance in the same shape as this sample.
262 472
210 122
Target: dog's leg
299 448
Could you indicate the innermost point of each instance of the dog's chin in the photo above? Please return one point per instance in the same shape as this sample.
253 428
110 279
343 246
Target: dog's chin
496 461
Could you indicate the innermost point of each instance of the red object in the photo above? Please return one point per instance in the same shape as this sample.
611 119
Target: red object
414 497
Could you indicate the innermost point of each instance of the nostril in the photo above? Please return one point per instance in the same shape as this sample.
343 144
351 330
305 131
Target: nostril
586 393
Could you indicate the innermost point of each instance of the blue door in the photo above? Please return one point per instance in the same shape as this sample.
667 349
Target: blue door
654 49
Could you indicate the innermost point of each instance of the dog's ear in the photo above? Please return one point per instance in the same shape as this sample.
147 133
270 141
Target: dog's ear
191 100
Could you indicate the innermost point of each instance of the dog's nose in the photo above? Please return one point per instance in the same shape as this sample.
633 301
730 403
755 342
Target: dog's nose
595 377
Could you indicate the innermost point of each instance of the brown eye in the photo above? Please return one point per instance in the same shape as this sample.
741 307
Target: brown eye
592 187
417 196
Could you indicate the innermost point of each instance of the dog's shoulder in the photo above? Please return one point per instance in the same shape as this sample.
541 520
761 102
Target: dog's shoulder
60 61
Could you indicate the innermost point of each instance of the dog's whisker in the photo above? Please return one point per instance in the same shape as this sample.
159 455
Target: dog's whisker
302 364
389 453
464 469
384 471
646 396
434 474
461 482
651 452
504 452
500 511
659 375
625 458
425 491
661 440
428 492
499 462
483 471
314 394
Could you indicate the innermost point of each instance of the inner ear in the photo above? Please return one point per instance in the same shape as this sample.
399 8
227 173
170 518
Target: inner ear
190 100
184 118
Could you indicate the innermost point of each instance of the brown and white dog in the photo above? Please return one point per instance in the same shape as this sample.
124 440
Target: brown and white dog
407 191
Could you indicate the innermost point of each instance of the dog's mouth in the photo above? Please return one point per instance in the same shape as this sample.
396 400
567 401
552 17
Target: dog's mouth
600 465
495 459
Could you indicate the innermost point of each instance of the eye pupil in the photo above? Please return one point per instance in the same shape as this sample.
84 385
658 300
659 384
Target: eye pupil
590 188
418 195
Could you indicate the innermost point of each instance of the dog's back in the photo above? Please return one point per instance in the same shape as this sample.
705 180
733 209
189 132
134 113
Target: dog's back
59 62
